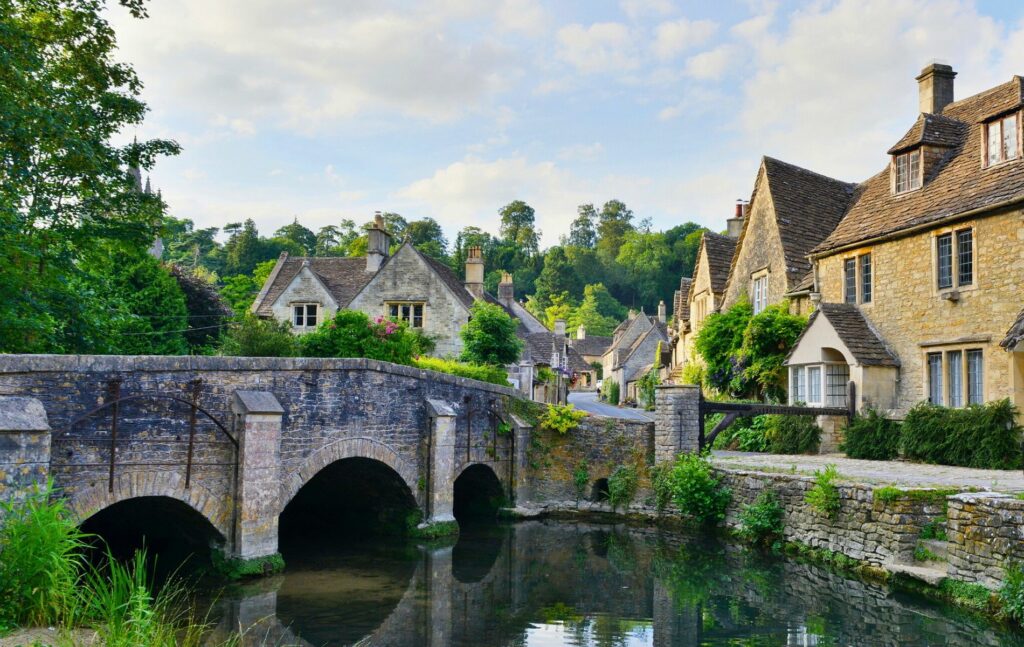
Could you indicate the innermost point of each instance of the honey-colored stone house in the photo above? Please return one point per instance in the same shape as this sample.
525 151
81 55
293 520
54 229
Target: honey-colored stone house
704 294
921 284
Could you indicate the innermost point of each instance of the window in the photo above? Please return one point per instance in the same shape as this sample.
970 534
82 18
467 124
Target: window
304 315
850 280
955 371
799 387
1001 140
944 252
836 378
409 312
965 257
908 171
974 379
814 385
760 294
865 278
935 378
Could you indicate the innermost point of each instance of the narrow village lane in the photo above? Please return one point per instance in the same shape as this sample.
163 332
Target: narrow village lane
587 401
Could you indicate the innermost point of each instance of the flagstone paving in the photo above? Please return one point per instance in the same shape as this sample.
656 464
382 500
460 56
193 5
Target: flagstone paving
897 473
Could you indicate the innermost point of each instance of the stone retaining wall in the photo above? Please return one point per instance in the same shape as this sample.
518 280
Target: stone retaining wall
986 533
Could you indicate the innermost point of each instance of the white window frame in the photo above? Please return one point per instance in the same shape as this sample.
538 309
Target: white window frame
914 177
301 315
957 383
411 318
998 126
759 289
800 389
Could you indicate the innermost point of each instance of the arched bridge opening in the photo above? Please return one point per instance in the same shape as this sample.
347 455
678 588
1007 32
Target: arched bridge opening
350 500
477 495
175 536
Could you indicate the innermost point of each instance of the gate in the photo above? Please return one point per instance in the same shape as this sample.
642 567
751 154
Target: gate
734 410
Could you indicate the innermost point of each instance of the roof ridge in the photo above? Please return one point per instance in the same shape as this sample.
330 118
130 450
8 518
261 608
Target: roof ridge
959 103
802 169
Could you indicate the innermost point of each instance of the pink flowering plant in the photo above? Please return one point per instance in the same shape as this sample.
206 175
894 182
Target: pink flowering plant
351 333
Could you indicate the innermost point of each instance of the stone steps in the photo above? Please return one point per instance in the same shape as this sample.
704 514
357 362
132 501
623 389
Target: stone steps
931 573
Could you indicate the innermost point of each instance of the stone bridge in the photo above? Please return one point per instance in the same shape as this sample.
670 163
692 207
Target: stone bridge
235 439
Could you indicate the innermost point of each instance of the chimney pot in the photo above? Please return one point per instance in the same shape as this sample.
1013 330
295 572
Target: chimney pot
581 332
661 312
935 87
506 288
560 327
378 244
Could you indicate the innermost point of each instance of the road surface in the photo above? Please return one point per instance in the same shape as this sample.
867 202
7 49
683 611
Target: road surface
587 401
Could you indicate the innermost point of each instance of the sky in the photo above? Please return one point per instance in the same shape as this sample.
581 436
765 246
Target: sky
332 109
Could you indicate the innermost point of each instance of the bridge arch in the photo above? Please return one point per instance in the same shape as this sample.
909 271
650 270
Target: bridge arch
477 493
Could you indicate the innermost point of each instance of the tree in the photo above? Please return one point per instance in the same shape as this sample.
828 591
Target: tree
556 277
240 290
718 342
589 315
518 227
613 223
645 256
607 306
63 185
489 337
428 237
251 336
581 230
208 312
562 307
299 235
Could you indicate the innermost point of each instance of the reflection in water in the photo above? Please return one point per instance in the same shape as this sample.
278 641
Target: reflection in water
548 584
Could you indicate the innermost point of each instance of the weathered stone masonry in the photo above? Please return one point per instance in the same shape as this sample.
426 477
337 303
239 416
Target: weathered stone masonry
290 418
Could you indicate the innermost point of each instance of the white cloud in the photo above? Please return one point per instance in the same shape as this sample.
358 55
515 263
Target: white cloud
672 38
638 8
526 16
712 64
236 125
582 152
601 47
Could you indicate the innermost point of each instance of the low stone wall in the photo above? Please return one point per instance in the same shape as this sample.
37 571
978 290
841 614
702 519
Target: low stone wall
986 533
866 528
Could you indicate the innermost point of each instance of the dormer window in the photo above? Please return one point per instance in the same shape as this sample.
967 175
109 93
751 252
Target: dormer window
1001 140
907 168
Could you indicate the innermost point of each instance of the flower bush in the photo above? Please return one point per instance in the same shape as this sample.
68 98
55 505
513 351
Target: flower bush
351 333
562 418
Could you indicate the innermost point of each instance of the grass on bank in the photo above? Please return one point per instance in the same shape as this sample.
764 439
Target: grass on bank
45 580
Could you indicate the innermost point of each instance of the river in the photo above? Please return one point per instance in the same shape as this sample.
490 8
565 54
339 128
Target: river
556 583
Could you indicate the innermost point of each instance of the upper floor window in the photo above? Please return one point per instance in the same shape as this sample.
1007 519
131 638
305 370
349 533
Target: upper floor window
908 171
865 278
760 294
1001 140
857 272
304 315
409 312
850 280
962 254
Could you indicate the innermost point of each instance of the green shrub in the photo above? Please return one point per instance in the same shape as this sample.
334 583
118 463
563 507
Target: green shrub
622 486
983 436
762 521
489 337
824 495
767 340
661 483
40 558
610 391
747 434
1011 595
580 478
872 437
696 491
562 418
350 333
647 385
482 372
251 336
792 434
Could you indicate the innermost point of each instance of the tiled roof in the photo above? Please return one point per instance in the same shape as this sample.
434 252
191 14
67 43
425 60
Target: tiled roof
808 206
450 279
805 284
851 326
933 130
719 250
960 185
343 278
591 345
539 346
682 303
1015 335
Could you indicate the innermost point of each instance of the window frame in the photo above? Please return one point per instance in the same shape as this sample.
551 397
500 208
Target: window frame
866 274
410 317
858 285
986 144
759 291
961 376
301 313
800 384
961 264
850 280
915 178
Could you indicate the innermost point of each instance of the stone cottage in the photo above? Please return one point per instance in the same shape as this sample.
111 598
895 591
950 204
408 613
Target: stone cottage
591 349
921 282
632 350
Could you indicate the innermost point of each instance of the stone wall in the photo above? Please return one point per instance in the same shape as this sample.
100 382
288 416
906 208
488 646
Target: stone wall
986 533
913 319
24 445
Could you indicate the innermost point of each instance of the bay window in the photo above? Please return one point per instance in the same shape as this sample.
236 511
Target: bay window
807 383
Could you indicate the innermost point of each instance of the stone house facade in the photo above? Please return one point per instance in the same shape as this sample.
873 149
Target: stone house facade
704 295
632 350
929 256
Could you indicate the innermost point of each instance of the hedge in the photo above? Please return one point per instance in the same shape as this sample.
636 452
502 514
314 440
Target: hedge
482 372
872 437
984 436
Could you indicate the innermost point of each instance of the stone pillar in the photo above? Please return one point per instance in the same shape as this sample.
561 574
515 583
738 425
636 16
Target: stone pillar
521 431
258 428
677 421
24 446
832 428
439 596
441 483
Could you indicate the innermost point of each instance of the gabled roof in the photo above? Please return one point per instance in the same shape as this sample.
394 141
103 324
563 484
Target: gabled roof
805 284
808 206
1015 335
719 251
539 346
855 331
449 278
681 309
932 130
591 345
960 185
342 277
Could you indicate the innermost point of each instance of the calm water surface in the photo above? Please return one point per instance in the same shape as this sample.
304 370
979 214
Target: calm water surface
553 584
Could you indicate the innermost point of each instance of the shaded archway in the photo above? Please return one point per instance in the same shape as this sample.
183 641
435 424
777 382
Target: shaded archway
174 535
599 492
477 495
349 500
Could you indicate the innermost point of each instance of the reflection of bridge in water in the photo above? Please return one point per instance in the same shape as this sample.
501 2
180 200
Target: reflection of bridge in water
602 585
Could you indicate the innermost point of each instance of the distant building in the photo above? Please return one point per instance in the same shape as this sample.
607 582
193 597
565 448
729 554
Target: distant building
632 350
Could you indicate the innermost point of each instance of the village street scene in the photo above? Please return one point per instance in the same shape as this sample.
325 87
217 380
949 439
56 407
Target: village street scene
512 323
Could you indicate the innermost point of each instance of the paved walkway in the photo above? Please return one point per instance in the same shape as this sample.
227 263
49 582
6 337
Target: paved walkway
881 472
587 401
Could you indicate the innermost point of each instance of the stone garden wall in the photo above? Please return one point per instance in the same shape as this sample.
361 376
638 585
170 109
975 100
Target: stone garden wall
986 533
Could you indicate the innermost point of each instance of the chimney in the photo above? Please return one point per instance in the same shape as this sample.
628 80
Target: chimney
475 272
632 314
734 225
378 244
661 311
506 289
581 332
935 87
560 327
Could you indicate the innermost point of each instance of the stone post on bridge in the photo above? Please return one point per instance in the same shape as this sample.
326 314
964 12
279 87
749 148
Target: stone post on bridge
258 429
440 493
676 421
24 446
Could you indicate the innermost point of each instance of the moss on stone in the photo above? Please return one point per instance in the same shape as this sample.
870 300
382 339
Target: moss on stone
236 568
